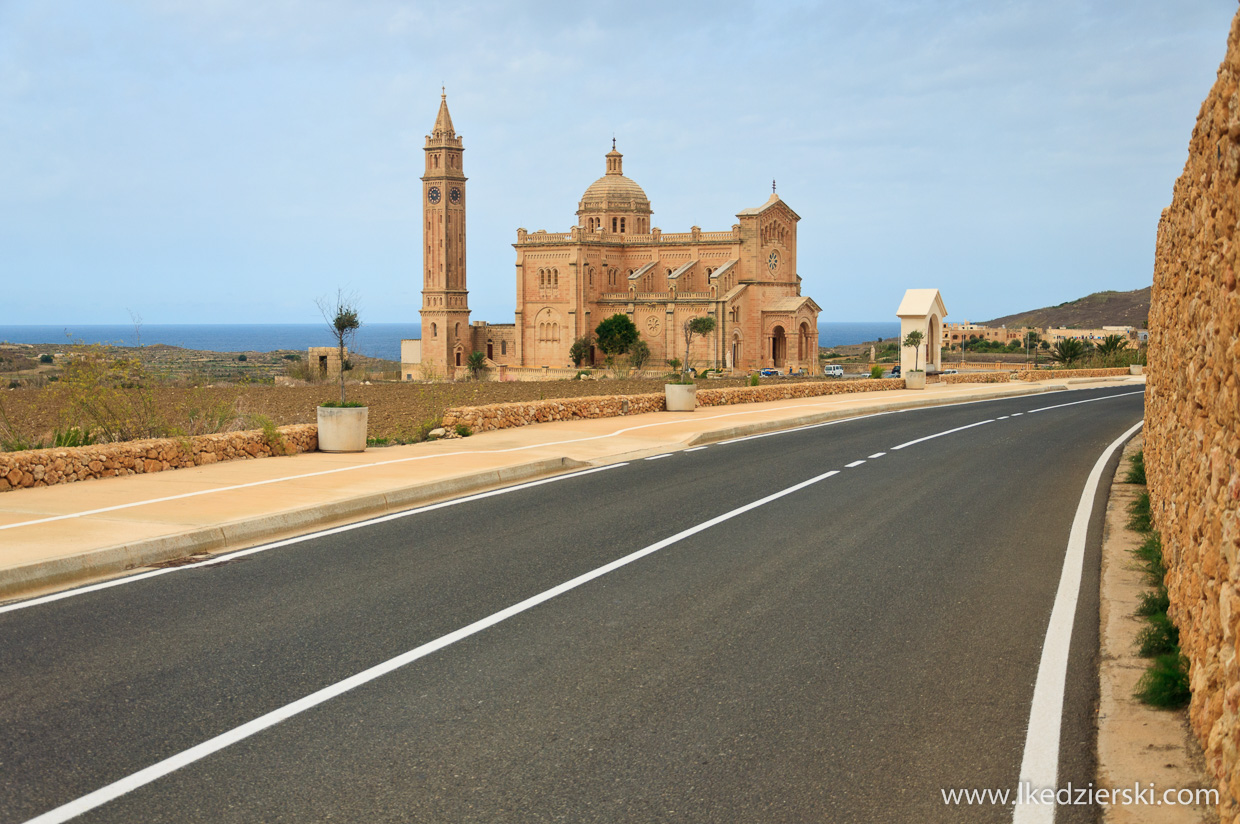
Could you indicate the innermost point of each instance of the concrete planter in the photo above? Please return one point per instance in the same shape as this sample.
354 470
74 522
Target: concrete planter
915 380
342 430
680 397
1136 369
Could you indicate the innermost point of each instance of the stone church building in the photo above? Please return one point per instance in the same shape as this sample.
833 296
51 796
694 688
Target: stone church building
613 261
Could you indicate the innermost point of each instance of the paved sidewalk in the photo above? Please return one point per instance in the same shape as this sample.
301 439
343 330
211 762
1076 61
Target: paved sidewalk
69 534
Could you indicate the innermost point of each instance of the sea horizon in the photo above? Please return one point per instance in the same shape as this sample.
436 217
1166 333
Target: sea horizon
378 340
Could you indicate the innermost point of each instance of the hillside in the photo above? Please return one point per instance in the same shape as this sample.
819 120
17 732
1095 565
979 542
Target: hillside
1090 312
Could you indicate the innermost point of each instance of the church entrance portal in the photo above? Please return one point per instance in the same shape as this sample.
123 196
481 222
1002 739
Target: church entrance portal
779 347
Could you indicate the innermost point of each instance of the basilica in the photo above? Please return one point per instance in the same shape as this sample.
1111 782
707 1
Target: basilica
613 261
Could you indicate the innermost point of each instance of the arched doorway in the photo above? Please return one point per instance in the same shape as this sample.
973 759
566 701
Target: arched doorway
737 350
805 345
779 347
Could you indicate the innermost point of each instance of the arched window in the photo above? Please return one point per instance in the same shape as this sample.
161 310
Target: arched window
434 330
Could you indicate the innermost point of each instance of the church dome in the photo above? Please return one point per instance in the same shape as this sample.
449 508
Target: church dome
613 192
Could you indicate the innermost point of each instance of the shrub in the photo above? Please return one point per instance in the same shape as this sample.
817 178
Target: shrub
463 430
1136 468
1159 637
1165 683
876 371
242 358
753 380
1152 603
343 404
1151 557
1139 514
46 358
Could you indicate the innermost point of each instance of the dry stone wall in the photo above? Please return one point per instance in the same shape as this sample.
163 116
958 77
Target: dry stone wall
1192 420
46 467
1059 374
505 415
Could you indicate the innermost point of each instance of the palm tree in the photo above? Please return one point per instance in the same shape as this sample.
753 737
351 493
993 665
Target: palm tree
476 363
1067 351
1111 345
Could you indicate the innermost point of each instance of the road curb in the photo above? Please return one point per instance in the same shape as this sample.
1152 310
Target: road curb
72 570
764 427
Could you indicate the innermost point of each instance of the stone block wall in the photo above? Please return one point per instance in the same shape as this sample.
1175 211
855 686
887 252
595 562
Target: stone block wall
1059 374
46 467
1192 420
505 415
978 377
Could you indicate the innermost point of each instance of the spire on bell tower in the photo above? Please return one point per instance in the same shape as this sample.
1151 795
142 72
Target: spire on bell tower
443 121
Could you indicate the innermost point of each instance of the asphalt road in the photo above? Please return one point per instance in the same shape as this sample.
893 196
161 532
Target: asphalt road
843 652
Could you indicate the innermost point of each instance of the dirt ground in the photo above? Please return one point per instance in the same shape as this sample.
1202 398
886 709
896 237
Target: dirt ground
397 410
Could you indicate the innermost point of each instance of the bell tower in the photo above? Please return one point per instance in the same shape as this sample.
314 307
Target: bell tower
446 341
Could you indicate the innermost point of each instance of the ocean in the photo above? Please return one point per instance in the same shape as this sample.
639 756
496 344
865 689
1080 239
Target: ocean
378 340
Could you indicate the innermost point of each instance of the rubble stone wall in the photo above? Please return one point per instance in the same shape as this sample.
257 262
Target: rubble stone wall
1192 420
46 467
505 415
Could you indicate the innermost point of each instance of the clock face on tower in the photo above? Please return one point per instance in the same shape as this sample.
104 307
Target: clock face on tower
432 194
455 195
773 261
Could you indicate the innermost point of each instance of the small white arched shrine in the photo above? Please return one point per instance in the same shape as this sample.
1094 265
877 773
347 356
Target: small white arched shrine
922 310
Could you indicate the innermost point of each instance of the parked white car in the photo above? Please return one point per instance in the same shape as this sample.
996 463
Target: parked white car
833 370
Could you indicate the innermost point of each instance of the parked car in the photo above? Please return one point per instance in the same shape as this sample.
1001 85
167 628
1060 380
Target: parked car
950 372
833 370
895 371
769 373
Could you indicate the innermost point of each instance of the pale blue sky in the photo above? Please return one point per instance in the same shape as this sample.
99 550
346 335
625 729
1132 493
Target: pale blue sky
227 161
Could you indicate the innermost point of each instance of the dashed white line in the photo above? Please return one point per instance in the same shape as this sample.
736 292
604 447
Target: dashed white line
877 455
854 463
161 768
697 448
1087 400
657 457
941 434
1003 418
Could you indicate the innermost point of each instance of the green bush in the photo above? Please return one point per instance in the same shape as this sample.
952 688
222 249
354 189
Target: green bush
1139 514
1151 557
73 437
753 380
1153 603
345 405
1165 683
463 430
1159 637
876 371
46 358
242 358
1136 468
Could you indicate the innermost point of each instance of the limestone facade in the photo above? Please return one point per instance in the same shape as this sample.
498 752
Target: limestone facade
615 261
1192 420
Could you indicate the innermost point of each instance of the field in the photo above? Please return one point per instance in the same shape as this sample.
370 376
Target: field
399 412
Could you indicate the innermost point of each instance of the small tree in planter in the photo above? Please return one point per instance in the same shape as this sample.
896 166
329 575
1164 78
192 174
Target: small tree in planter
342 426
916 378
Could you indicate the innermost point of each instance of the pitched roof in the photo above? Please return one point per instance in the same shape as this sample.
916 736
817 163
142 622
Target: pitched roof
790 303
921 302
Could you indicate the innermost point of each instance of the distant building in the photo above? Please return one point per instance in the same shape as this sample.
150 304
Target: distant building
614 261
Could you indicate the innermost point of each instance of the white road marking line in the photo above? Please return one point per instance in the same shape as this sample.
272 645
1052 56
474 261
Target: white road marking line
168 765
1087 400
657 457
219 559
877 455
1017 414
811 426
697 448
854 463
1039 766
941 434
1004 418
